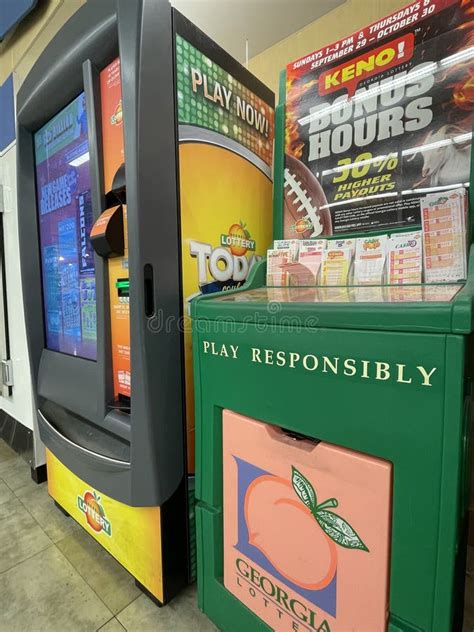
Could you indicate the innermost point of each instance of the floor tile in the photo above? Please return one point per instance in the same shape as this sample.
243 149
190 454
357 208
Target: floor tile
113 626
16 473
100 570
11 461
468 623
20 535
41 506
469 605
46 593
6 453
469 594
6 493
470 561
182 614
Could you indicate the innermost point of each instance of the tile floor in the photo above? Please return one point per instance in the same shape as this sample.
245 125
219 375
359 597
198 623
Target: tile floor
469 593
55 578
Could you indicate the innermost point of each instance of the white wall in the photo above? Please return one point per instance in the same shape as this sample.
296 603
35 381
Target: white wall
20 404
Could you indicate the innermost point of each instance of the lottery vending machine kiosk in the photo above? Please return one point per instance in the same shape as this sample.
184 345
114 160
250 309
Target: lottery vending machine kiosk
142 183
332 484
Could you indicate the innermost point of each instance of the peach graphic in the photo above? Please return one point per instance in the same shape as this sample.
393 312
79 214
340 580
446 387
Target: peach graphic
95 510
240 234
302 225
286 532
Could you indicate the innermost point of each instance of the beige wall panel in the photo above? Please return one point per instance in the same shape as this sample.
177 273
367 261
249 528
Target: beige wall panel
51 27
342 21
18 42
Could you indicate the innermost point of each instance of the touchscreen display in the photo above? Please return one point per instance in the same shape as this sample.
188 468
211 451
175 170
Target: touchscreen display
65 221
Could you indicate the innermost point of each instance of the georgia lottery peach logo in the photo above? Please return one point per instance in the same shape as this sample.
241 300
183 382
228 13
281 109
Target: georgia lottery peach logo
92 508
269 502
285 529
238 239
301 226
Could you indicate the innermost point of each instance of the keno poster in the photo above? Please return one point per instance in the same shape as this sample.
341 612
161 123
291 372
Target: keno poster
379 119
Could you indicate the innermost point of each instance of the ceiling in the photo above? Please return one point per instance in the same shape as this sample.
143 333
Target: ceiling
262 22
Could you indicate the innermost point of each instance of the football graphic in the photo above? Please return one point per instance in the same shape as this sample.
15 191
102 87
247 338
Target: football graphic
305 210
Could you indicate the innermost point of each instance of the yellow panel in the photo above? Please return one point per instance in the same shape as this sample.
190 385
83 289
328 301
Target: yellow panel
131 534
208 214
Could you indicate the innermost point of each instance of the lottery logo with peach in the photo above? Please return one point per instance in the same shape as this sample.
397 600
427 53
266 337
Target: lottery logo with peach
238 239
91 506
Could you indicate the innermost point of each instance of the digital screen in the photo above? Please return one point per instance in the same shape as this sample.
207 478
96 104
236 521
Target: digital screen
65 221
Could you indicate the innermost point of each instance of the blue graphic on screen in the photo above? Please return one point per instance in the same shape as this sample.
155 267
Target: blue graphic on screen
65 222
